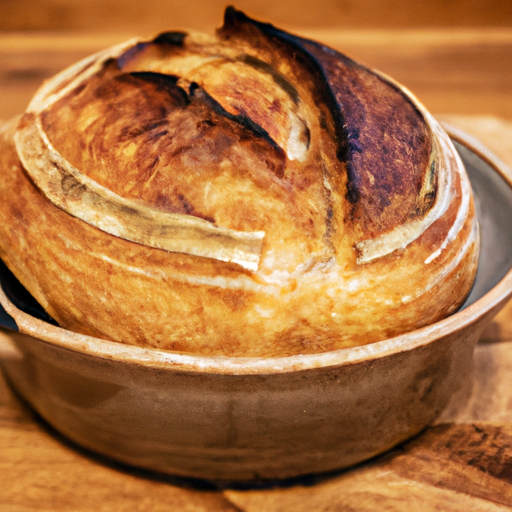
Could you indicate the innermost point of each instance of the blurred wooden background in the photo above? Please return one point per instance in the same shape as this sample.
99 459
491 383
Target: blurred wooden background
455 55
128 15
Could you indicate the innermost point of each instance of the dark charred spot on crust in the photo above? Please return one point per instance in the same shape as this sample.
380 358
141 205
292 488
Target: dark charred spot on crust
71 187
329 223
110 64
242 120
186 207
166 83
181 205
154 162
429 198
159 134
428 201
276 107
307 134
275 161
233 18
253 127
79 88
174 38
353 142
353 194
127 210
342 152
209 123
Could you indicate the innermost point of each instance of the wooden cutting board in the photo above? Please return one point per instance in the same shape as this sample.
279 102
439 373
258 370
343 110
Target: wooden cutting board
462 463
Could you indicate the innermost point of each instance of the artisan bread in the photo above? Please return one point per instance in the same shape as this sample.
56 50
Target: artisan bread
250 193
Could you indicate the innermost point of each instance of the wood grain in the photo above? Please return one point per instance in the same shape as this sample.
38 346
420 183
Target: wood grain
462 463
122 14
449 468
41 472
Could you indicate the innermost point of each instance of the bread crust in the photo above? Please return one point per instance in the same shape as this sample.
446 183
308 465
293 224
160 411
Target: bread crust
317 204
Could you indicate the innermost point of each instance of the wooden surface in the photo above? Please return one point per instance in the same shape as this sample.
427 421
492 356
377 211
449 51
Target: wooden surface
115 15
463 463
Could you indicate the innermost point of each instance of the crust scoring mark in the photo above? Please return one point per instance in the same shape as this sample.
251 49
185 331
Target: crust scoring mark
82 197
405 234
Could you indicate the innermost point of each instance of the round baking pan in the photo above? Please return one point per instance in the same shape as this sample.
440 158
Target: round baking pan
242 419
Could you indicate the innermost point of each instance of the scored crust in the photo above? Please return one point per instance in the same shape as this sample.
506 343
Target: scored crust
250 193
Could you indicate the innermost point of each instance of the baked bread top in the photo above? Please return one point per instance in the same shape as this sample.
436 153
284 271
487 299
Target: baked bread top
251 193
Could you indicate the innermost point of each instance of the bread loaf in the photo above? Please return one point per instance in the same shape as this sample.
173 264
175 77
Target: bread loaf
250 193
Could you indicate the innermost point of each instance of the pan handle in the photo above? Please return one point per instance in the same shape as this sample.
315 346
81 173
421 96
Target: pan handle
7 321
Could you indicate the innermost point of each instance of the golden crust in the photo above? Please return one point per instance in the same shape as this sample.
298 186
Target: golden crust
358 209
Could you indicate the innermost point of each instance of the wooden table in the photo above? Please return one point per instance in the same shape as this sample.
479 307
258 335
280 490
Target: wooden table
464 462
